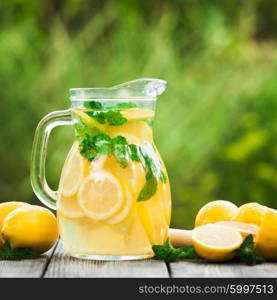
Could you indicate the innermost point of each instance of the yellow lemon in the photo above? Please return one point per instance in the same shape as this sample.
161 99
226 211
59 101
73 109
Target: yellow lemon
101 195
133 174
266 241
214 211
215 242
251 213
6 208
244 228
125 210
73 172
31 226
135 131
137 114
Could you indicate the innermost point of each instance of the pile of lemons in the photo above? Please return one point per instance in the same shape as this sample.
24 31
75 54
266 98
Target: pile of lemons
220 227
24 225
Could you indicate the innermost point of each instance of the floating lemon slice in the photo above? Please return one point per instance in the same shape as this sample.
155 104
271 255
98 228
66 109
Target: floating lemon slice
72 173
124 212
216 242
69 207
89 120
137 114
98 163
134 173
135 131
100 195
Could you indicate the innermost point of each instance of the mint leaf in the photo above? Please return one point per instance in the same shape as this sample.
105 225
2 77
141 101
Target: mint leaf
83 130
92 145
98 116
168 253
113 118
162 177
124 105
134 152
247 254
102 143
93 105
120 150
8 253
150 187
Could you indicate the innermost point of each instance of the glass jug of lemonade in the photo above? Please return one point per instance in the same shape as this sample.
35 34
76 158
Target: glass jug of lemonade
113 201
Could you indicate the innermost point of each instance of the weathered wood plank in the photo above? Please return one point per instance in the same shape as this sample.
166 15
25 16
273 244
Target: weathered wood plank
27 268
62 265
187 269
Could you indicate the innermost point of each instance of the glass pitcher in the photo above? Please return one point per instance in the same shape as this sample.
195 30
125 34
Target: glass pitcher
113 200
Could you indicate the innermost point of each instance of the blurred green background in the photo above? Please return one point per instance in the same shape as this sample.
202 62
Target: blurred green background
216 125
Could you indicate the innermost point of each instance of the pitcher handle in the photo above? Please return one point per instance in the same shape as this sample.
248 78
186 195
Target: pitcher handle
39 184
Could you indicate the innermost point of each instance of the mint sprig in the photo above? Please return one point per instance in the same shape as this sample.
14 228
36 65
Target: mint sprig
168 253
8 253
247 254
112 118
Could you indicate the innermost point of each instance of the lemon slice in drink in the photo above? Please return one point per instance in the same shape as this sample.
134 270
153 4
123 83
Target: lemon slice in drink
134 173
100 195
69 207
137 114
72 173
125 210
89 120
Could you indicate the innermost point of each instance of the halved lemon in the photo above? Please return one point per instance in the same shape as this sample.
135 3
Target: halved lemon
216 242
69 207
72 173
125 210
100 195
244 228
137 114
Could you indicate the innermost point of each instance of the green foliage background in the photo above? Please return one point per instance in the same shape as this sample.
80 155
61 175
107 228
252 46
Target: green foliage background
216 125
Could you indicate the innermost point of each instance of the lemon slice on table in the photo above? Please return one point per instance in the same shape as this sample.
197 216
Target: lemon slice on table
216 242
137 114
69 207
100 195
125 210
72 173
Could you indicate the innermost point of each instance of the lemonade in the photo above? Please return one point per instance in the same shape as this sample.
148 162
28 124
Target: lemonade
114 195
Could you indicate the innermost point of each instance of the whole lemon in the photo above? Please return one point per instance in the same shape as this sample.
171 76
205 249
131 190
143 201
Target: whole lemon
30 226
6 208
251 213
214 211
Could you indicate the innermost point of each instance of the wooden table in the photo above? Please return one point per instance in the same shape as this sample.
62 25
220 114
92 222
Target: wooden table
55 263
